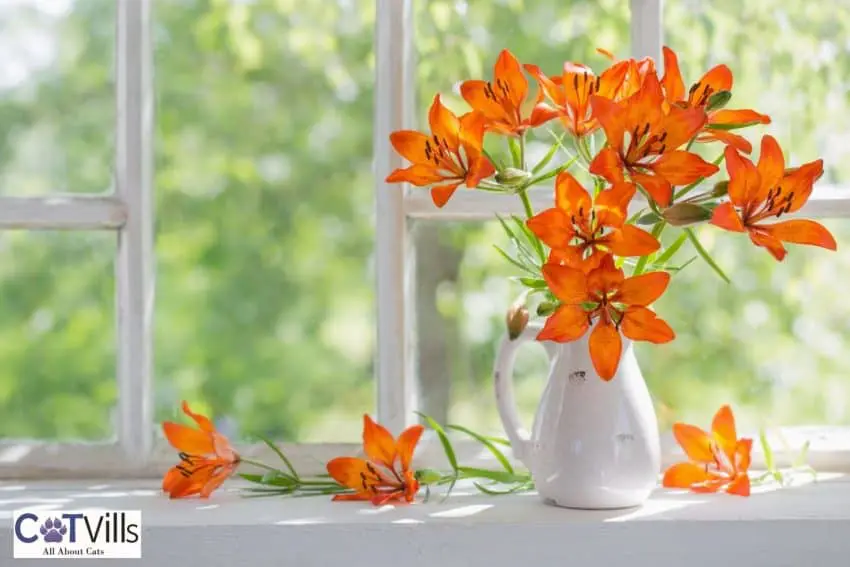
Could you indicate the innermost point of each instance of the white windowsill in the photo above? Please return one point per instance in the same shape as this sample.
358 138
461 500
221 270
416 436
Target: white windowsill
796 526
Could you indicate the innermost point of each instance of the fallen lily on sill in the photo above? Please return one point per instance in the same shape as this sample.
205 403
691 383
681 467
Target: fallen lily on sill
717 461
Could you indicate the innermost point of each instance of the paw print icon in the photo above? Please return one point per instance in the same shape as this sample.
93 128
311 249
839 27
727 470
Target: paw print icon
53 530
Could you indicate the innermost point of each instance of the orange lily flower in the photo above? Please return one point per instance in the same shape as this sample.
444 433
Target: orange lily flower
617 303
716 79
651 155
757 193
575 228
718 460
453 153
500 100
376 478
207 459
571 92
635 76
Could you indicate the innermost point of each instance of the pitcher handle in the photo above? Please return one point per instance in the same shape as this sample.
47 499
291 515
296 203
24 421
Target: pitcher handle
503 373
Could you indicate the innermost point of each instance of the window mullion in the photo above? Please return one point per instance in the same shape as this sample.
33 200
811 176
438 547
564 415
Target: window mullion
393 111
134 266
647 29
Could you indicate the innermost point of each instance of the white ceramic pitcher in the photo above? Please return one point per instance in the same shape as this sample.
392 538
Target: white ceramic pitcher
594 444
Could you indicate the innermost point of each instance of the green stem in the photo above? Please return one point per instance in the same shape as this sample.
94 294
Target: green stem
705 255
522 152
526 202
258 464
644 260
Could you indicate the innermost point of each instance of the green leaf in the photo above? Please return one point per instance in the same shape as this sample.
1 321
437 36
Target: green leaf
735 126
498 440
533 283
513 261
718 100
671 250
444 439
647 219
705 255
547 158
683 266
768 452
803 456
530 237
553 173
449 490
498 476
641 264
271 478
280 454
491 492
516 152
503 460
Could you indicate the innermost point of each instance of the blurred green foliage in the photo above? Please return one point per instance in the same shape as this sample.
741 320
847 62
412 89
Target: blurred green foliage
265 229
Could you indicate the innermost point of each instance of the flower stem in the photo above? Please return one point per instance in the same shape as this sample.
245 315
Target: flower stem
258 464
526 202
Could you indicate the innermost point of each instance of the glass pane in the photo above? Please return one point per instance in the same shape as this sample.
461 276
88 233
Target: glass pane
786 57
57 335
462 293
265 215
56 96
772 344
459 40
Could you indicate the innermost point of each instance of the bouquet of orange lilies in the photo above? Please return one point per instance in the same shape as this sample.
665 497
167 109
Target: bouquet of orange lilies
607 218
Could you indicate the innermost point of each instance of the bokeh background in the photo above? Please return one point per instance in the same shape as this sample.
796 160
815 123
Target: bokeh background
265 225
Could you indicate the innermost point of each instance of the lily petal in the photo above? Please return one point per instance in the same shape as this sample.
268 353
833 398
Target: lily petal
606 346
727 217
674 86
406 444
188 439
567 284
553 227
643 289
570 196
378 443
684 475
681 168
442 193
771 167
724 116
740 485
642 324
695 442
630 240
568 323
801 231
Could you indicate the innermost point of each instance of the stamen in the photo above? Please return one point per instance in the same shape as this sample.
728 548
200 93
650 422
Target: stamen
575 82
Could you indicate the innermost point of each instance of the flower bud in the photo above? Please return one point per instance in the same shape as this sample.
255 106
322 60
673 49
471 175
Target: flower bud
683 214
721 189
517 318
512 177
718 100
546 308
428 476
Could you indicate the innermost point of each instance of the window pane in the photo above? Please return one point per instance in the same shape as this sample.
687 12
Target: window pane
56 96
265 215
786 57
458 40
57 335
772 344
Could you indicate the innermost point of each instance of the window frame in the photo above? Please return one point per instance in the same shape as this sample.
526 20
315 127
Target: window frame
128 211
